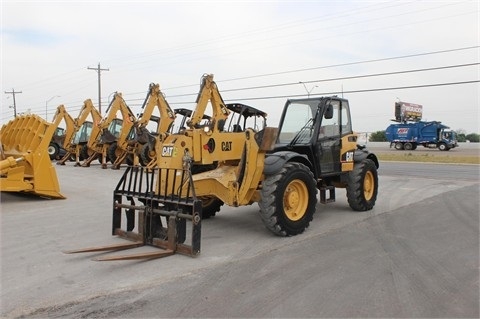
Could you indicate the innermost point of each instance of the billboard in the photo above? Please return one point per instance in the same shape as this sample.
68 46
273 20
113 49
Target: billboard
408 112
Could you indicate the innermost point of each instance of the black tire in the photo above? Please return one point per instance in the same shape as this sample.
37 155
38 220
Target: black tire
408 146
399 146
111 156
362 186
210 206
53 151
288 200
442 147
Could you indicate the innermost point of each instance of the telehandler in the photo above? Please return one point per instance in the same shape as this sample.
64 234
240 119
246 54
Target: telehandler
282 169
81 132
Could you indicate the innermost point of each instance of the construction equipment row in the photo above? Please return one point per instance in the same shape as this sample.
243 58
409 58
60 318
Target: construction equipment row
197 161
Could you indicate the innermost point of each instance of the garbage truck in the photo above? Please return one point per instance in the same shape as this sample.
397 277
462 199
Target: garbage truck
432 134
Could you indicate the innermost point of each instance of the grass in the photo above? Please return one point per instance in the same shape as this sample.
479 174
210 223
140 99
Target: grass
427 158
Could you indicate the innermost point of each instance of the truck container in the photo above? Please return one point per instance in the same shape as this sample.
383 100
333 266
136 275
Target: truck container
434 134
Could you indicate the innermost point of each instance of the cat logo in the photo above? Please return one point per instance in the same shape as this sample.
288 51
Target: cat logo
226 146
167 151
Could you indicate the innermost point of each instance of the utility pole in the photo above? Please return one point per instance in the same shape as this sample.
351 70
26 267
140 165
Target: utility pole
13 92
306 89
99 71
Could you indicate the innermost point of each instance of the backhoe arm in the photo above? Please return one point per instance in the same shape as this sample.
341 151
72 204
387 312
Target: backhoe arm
209 93
155 99
69 121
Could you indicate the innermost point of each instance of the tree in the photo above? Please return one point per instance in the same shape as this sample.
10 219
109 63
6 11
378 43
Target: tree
473 137
378 136
461 137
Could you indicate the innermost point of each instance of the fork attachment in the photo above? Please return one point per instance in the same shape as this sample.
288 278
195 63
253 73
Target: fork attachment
161 210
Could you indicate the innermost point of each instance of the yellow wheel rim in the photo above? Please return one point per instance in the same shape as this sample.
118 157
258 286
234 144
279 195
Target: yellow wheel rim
368 185
295 200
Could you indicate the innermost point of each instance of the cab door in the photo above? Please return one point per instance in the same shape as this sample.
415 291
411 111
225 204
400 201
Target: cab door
328 144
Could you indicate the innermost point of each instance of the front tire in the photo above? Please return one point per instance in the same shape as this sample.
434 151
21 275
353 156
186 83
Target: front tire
53 151
362 186
442 147
288 200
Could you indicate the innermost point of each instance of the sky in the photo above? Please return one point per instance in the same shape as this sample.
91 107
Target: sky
373 53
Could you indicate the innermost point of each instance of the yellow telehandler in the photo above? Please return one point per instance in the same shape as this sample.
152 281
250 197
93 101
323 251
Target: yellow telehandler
282 169
82 129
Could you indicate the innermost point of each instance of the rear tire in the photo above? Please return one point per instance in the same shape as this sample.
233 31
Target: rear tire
399 146
362 186
210 206
288 200
408 146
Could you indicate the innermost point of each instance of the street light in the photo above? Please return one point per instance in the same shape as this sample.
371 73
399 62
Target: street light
306 89
46 105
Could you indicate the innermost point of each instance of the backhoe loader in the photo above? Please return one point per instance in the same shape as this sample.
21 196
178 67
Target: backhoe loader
25 165
81 133
282 169
111 130
139 143
61 135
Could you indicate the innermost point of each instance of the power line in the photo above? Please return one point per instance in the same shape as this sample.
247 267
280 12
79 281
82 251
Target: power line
340 78
336 65
344 92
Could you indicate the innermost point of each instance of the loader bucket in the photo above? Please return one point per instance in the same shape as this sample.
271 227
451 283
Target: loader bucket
25 164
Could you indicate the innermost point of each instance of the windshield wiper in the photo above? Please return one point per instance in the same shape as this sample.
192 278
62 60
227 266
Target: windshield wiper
302 132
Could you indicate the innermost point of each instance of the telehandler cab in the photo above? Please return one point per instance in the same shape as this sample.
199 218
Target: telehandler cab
281 169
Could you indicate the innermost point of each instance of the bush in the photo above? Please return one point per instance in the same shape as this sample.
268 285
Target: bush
473 137
378 136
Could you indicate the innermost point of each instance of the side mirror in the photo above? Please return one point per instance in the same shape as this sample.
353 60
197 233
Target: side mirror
328 112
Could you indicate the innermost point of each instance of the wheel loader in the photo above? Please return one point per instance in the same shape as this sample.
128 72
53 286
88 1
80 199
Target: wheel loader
314 149
82 130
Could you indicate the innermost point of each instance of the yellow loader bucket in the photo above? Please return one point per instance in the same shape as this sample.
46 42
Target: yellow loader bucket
25 165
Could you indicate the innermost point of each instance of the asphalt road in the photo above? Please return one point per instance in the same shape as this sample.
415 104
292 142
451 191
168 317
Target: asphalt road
416 254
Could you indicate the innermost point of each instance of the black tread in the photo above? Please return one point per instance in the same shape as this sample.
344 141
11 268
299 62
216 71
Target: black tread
271 202
355 194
